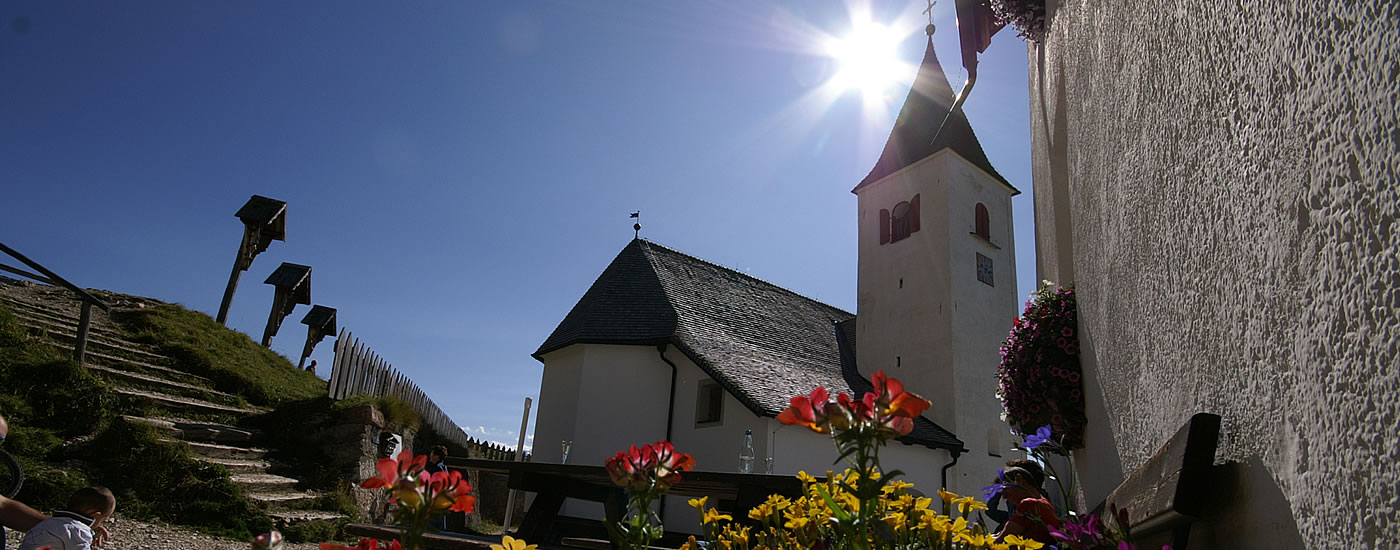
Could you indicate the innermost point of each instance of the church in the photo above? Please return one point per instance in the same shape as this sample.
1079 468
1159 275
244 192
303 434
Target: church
665 345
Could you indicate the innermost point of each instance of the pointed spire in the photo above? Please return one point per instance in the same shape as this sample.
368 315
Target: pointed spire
912 138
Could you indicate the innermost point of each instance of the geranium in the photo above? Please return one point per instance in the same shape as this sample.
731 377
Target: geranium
365 544
1039 376
420 497
646 473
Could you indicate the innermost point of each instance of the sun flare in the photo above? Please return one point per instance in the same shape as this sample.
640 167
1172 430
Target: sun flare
866 59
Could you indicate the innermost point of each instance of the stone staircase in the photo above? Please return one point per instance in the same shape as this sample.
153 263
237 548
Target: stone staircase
182 406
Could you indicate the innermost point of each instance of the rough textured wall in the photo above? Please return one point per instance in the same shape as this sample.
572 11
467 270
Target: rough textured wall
1231 174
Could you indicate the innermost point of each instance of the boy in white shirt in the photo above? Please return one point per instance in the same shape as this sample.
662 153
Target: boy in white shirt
71 528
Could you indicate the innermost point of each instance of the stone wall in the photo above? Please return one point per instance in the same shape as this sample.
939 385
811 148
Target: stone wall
1220 180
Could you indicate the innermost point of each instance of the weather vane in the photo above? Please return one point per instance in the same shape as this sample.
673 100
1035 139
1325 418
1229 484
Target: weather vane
929 10
637 227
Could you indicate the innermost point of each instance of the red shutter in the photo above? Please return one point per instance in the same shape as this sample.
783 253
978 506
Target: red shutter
884 226
984 223
914 214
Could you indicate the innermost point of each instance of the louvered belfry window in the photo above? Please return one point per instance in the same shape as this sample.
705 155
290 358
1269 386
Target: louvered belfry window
899 222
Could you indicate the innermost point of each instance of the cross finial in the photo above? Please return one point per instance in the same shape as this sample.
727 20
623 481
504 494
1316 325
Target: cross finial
929 10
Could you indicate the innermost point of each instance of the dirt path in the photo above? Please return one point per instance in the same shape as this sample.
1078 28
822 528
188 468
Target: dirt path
129 534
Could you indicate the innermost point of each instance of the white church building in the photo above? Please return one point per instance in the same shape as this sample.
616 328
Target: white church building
664 345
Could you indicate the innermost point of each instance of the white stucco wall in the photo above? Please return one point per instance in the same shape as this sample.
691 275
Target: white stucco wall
945 324
1219 179
909 320
609 397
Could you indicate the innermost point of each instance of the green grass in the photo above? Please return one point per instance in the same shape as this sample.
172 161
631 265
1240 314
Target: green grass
230 359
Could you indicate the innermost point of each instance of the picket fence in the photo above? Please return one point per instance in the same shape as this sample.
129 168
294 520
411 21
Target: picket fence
359 371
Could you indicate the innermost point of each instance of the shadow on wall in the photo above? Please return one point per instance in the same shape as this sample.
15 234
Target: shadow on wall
1248 510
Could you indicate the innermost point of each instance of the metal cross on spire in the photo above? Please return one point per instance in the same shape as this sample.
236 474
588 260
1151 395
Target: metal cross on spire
929 11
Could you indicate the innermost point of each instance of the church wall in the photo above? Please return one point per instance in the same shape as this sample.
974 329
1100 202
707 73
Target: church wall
981 315
620 400
1219 180
902 288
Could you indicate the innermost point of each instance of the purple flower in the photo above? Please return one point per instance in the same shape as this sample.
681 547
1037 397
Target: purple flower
1041 435
991 491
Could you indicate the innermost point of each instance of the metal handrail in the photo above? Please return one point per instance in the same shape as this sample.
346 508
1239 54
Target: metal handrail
88 300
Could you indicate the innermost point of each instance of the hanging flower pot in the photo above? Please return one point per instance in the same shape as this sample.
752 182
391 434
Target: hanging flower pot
1040 379
1028 16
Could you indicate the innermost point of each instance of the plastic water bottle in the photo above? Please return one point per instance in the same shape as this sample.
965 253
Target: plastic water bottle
746 453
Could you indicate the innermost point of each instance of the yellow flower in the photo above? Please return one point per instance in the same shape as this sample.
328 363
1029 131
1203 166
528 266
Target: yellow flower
778 502
761 512
796 522
691 544
895 486
896 521
974 539
509 543
969 503
711 515
947 496
698 503
804 477
922 503
1025 544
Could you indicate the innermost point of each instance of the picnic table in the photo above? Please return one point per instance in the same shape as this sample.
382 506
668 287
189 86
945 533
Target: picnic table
552 483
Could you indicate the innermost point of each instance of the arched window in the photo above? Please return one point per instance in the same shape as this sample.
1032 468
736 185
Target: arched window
899 221
984 223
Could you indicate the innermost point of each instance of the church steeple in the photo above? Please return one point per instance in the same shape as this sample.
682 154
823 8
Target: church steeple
912 138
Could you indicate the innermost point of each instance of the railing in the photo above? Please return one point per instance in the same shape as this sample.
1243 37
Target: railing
49 277
357 370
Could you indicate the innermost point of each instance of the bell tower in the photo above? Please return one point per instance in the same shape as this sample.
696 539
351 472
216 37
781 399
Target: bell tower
937 273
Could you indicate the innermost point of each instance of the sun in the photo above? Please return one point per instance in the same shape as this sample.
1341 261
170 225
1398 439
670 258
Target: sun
866 59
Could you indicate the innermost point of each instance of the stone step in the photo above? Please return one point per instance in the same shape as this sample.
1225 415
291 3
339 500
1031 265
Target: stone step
281 499
164 383
186 403
237 466
118 362
264 482
215 450
287 517
69 335
27 310
197 431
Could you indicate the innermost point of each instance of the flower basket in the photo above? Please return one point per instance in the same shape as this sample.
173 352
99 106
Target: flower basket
1028 16
1040 379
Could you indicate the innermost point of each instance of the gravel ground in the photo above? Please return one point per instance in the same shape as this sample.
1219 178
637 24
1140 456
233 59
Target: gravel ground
129 534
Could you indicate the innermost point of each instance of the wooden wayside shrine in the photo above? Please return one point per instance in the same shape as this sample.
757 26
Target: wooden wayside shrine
264 221
320 323
293 284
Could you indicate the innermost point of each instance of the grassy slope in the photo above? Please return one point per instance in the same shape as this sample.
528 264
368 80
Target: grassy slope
49 399
233 361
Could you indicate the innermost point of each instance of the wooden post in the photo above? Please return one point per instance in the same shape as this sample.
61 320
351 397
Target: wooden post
519 454
80 349
274 319
231 288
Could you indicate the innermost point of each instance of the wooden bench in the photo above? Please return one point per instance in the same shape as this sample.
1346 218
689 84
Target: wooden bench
553 483
1169 491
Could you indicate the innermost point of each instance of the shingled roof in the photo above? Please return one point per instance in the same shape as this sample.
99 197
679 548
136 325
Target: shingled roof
911 139
762 343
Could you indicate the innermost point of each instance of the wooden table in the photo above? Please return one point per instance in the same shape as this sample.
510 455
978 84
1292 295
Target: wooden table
552 483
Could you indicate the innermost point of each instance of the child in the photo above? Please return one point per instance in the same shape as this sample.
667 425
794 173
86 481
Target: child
71 528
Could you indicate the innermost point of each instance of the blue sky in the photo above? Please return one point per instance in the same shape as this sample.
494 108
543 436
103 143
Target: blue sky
456 173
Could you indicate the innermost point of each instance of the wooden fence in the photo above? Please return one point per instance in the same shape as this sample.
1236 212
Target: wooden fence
359 371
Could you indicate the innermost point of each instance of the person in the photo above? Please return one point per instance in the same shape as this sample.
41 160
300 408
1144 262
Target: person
72 528
994 505
436 457
312 367
13 513
1033 515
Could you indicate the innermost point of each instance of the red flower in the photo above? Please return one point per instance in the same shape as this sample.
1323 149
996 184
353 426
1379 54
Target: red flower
809 411
656 465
